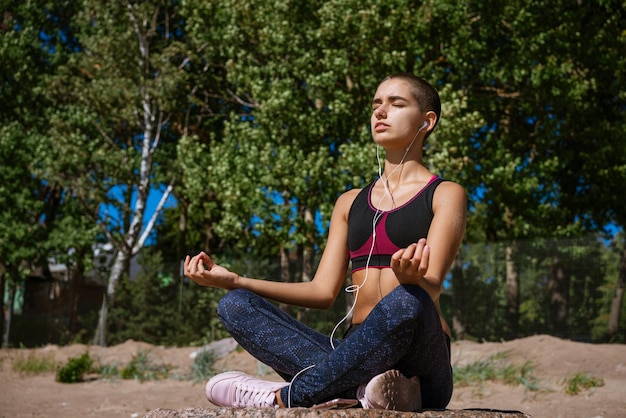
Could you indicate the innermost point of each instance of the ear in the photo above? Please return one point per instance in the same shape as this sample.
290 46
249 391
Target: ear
431 120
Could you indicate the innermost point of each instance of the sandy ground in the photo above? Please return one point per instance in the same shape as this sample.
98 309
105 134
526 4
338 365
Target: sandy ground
552 361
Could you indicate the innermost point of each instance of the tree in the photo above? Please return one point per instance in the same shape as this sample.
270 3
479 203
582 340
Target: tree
35 38
539 82
617 299
305 73
111 128
21 234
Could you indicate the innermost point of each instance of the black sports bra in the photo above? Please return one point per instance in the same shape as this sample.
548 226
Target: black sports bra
395 229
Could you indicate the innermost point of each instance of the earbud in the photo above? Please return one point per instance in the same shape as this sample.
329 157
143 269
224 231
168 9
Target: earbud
425 124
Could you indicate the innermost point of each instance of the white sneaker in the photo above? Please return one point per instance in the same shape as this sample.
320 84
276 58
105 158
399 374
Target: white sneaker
239 390
391 390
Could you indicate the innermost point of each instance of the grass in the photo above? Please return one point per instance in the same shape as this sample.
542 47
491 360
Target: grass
109 371
496 369
141 368
581 381
33 364
202 366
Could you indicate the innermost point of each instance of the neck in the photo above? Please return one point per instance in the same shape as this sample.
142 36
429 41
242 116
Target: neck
406 171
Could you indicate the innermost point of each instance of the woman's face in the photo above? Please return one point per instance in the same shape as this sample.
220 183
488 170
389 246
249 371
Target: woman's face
396 117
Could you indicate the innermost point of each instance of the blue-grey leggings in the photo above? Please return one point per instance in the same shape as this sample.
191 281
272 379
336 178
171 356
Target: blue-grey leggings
402 332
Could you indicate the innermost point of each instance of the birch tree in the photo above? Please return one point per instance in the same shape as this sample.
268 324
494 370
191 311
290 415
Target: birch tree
112 132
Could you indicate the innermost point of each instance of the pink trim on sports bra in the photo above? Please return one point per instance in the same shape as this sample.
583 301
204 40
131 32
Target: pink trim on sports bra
395 229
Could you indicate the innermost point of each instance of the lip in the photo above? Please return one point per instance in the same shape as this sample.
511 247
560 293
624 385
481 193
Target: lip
380 126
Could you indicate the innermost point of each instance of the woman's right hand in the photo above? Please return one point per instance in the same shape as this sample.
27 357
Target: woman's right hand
202 270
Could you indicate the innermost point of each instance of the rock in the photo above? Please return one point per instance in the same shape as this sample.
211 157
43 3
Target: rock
219 348
335 413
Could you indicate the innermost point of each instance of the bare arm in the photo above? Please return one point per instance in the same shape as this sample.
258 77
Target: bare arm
319 293
427 262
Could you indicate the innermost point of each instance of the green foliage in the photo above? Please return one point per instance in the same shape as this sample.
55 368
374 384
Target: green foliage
158 311
34 364
104 137
109 371
142 368
202 367
301 137
260 111
75 368
580 382
497 369
538 159
584 284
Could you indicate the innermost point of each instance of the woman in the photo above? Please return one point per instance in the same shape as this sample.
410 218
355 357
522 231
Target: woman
401 234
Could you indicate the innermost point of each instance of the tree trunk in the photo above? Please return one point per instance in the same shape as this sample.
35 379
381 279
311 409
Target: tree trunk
284 271
76 275
100 336
307 251
458 286
2 289
307 258
182 232
617 300
8 315
120 266
117 271
512 290
558 288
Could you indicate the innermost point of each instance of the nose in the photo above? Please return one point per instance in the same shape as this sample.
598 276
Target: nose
380 112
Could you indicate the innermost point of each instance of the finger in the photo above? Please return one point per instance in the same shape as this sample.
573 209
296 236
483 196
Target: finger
206 259
191 261
423 265
417 250
419 246
190 265
194 264
409 253
395 258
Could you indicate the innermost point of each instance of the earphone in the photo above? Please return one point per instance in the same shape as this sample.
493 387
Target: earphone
425 124
379 213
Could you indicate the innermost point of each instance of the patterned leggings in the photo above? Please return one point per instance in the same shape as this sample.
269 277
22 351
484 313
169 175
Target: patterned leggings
402 332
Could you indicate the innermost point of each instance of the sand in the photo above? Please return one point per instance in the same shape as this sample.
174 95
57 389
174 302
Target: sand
551 362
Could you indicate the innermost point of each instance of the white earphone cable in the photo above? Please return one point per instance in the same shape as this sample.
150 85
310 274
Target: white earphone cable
378 214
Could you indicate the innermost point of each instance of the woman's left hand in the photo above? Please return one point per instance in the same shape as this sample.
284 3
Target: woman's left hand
411 263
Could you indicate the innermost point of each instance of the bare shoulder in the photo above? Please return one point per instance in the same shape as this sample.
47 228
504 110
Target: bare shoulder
347 197
449 192
344 203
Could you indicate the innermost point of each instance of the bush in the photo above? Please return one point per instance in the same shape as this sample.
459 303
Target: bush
75 369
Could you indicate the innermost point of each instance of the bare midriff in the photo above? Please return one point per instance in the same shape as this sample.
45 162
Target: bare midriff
378 284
